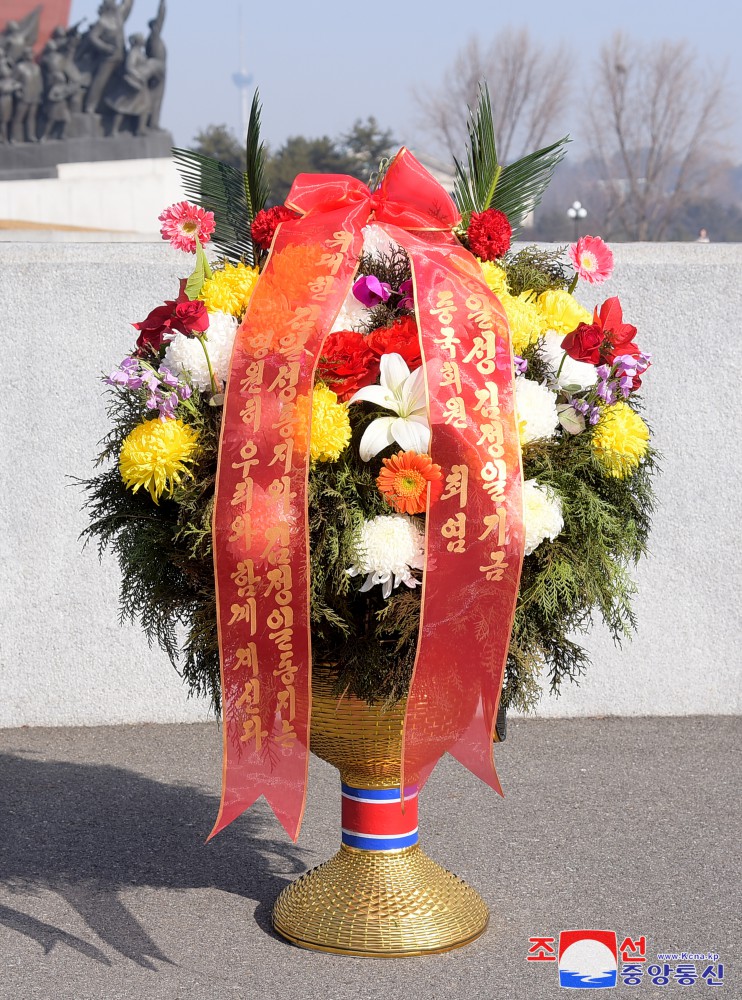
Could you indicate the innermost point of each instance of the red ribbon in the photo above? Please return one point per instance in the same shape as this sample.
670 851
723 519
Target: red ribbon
474 533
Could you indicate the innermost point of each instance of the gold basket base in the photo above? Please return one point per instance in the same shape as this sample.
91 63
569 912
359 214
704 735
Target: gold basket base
380 904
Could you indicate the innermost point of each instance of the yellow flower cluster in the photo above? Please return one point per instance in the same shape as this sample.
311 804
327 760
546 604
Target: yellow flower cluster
230 289
620 440
529 317
330 425
525 320
154 455
561 311
495 276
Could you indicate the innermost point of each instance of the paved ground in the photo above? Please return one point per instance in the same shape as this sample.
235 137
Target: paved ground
106 888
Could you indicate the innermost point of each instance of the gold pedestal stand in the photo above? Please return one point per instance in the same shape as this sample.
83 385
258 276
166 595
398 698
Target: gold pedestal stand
381 904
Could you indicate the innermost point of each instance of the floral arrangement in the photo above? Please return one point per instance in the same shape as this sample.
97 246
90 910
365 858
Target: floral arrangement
586 455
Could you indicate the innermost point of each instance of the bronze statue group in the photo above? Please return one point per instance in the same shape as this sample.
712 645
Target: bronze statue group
93 74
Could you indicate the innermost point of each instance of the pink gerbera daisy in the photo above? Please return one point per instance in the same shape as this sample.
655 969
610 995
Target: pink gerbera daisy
592 259
183 222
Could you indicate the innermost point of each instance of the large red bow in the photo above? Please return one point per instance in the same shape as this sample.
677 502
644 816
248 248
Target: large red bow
474 535
407 197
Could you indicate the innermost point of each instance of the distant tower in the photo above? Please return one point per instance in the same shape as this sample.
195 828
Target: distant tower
242 80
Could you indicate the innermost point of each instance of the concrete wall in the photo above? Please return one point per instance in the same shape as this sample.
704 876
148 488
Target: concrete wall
124 195
64 659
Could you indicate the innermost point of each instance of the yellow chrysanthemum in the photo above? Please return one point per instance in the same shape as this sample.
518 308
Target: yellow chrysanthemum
524 318
155 454
620 440
561 311
230 290
330 425
495 276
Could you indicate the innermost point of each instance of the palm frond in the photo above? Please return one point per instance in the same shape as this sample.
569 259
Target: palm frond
484 183
220 189
477 180
521 184
257 190
235 197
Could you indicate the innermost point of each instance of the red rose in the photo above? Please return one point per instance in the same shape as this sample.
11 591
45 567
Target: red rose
347 363
181 315
399 338
489 234
584 343
266 222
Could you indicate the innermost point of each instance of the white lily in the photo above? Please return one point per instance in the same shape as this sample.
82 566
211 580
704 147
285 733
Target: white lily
404 394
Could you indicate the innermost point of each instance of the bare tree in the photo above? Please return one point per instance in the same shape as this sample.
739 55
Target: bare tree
529 87
655 120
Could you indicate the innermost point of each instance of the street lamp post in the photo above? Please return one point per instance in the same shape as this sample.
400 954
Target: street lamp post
576 212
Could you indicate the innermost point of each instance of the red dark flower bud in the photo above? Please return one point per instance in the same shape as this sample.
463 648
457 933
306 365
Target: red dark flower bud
266 222
584 343
190 318
489 234
179 315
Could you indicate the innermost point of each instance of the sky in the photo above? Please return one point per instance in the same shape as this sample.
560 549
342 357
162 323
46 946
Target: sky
321 65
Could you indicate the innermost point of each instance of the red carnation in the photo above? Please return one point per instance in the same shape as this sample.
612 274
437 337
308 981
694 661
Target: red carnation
266 222
489 234
347 363
399 338
181 315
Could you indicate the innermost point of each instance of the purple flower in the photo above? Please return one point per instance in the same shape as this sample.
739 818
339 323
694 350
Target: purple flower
167 377
370 291
520 364
603 372
164 391
406 291
594 416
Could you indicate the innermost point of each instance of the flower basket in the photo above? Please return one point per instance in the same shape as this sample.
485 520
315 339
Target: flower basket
380 895
377 437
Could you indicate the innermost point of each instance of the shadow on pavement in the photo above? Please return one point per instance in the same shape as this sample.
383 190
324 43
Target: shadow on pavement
87 832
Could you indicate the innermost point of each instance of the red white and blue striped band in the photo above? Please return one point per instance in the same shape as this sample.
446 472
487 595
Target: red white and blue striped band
372 818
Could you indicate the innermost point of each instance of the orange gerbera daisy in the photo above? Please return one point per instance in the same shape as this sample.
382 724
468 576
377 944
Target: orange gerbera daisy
404 481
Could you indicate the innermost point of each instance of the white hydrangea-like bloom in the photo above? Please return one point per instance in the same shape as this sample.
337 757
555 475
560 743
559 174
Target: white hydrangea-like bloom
535 405
542 514
376 243
186 355
353 313
578 373
388 548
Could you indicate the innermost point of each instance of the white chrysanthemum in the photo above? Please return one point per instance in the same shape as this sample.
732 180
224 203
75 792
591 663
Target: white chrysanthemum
387 549
542 514
535 405
578 373
353 314
185 354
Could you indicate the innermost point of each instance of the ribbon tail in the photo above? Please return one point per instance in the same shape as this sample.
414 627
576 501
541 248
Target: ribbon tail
474 749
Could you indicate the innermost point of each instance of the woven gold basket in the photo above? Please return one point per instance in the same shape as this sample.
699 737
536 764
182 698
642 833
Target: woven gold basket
376 903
